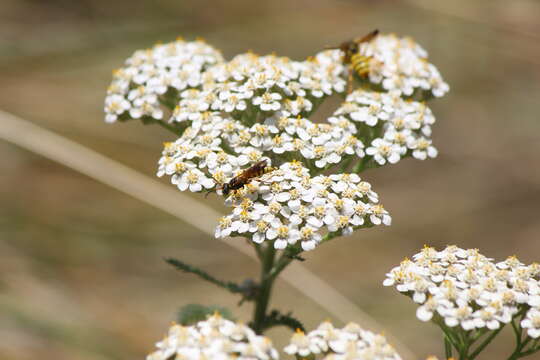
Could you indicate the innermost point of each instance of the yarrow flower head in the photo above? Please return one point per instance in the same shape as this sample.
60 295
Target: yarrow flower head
214 338
466 289
348 343
230 115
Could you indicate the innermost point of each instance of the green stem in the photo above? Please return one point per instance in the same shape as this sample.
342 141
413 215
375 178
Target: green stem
258 250
171 128
265 290
182 266
534 348
517 333
520 342
285 259
225 146
486 342
329 237
518 352
447 347
281 264
449 336
466 344
360 165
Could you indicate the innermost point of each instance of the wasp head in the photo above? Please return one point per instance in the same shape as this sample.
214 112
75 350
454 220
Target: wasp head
225 190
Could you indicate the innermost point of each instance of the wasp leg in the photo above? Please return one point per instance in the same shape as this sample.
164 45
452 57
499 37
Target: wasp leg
350 80
208 193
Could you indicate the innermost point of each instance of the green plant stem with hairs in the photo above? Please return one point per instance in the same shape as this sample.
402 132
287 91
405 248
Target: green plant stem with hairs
265 288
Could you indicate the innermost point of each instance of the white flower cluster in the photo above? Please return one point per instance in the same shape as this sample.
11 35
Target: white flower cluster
271 83
469 290
254 106
216 148
262 84
149 74
298 138
349 343
287 206
216 338
401 64
392 127
236 113
270 97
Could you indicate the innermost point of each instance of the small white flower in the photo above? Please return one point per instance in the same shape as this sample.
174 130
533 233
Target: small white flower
115 105
302 345
268 101
233 102
383 151
422 148
380 215
194 180
532 323
370 114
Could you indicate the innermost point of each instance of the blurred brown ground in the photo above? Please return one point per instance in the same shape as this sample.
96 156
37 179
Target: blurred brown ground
81 270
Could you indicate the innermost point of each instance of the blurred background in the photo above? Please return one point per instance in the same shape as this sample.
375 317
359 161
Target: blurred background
81 270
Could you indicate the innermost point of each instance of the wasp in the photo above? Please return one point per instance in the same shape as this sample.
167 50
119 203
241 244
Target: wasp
353 57
256 170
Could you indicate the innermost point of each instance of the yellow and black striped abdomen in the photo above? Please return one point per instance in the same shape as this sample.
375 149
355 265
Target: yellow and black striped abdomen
360 64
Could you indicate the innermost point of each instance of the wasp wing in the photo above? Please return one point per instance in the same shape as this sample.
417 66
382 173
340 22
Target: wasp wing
367 38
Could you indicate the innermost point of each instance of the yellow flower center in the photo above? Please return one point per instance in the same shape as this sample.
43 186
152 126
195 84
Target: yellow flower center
283 232
192 177
306 233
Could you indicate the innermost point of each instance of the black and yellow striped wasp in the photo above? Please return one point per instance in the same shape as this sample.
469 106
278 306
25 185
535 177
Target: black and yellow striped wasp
352 56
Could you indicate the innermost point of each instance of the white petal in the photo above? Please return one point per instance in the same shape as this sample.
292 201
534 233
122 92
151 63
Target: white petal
195 187
423 315
280 244
419 298
308 245
282 197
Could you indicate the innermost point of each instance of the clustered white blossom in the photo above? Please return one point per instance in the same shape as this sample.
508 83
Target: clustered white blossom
392 127
349 343
259 87
287 206
148 74
467 289
401 64
236 113
214 338
266 84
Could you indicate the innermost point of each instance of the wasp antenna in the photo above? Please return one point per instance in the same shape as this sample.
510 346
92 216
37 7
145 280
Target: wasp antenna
208 193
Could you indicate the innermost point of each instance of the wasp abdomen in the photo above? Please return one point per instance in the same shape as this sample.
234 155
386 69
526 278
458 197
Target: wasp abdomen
360 64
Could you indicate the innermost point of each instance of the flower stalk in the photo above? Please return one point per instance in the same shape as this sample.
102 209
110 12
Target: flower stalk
265 290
